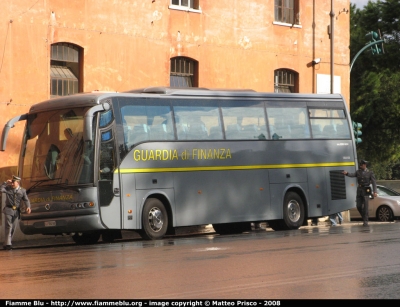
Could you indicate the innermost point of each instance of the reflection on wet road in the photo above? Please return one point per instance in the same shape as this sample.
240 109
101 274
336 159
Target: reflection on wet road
348 261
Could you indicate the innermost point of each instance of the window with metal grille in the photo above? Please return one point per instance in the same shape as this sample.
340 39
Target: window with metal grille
191 4
285 81
338 185
287 11
64 69
183 72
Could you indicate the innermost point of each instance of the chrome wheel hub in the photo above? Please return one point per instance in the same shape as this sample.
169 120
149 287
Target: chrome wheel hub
156 219
293 211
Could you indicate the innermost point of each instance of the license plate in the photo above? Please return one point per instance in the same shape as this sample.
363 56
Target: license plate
50 224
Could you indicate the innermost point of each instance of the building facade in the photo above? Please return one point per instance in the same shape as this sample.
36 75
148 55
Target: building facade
51 48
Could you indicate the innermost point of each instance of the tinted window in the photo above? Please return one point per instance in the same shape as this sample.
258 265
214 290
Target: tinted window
197 122
329 124
244 123
288 123
106 118
146 123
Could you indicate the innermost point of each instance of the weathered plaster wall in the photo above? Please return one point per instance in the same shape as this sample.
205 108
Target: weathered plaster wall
128 44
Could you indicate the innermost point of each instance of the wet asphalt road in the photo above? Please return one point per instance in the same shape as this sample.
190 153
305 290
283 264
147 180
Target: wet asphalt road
348 262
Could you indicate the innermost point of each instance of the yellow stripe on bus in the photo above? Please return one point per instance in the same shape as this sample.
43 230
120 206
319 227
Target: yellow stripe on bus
229 168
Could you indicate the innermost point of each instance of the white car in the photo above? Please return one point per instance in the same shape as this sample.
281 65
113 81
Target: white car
385 207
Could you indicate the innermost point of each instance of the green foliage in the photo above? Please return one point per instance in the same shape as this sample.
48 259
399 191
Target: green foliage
375 86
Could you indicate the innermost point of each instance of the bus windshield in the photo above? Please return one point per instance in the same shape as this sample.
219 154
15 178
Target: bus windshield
54 150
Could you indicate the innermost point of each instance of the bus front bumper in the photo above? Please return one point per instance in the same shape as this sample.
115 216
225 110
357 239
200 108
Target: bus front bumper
69 224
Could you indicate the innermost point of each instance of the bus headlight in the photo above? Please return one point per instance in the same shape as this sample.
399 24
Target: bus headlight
82 205
89 205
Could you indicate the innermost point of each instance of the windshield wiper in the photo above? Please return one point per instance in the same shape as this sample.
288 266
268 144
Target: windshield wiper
37 183
66 186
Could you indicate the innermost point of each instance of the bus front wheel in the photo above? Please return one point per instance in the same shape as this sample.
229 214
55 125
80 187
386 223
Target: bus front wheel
293 211
154 220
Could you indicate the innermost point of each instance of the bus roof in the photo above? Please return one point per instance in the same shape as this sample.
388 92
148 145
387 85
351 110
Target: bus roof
186 91
93 98
76 100
197 91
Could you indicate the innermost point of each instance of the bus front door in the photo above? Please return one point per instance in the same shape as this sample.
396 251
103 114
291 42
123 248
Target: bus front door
108 183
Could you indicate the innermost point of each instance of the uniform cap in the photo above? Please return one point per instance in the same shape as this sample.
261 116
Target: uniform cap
15 178
363 162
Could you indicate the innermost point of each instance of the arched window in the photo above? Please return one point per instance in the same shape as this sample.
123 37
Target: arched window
286 81
183 72
65 69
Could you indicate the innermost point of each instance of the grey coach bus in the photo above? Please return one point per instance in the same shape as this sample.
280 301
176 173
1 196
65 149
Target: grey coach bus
158 158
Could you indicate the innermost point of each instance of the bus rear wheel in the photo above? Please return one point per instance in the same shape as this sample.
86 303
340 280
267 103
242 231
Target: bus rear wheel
154 220
293 211
86 238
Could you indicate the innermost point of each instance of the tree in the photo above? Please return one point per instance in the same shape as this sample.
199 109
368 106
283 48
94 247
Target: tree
374 88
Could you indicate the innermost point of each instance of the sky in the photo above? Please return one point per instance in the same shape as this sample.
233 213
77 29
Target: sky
360 3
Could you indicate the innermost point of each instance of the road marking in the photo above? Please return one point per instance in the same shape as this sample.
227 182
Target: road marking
210 249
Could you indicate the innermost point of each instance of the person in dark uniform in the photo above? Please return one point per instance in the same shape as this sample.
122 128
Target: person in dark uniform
365 178
14 194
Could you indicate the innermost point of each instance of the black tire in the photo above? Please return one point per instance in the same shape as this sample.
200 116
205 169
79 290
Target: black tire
232 228
86 238
293 211
154 220
384 214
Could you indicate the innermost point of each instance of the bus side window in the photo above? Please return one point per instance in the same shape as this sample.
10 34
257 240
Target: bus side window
197 131
329 132
343 131
283 131
333 122
299 132
250 132
277 126
139 133
233 132
271 131
244 123
160 124
181 130
194 122
289 123
127 130
215 133
158 132
262 133
316 131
